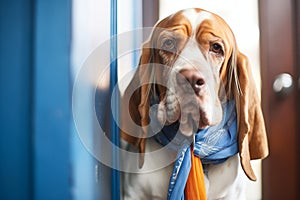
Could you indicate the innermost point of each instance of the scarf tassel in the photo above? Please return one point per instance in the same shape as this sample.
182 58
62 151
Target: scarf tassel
195 185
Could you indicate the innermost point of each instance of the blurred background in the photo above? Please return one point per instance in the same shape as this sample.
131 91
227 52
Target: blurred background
45 43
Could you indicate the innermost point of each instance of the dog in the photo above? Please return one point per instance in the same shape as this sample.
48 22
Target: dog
191 78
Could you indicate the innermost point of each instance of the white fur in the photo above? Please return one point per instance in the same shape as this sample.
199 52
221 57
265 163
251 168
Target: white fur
146 185
195 18
225 181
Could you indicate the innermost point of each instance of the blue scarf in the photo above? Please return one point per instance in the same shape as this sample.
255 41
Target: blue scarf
213 145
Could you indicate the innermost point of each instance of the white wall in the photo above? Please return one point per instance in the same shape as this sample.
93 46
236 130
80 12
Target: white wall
90 28
91 32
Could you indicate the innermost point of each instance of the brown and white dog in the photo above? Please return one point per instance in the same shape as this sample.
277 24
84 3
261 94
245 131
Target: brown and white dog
197 47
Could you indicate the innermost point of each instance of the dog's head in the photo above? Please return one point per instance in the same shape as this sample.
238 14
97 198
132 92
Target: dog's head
188 67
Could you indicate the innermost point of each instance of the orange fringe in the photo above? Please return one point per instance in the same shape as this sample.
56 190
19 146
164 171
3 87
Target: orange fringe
195 186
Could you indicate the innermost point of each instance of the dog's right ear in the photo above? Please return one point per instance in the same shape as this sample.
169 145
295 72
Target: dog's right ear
135 104
252 139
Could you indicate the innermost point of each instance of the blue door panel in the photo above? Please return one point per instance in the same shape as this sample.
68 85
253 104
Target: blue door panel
35 99
52 91
15 99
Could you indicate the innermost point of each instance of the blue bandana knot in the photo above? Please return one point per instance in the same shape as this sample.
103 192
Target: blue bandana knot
213 145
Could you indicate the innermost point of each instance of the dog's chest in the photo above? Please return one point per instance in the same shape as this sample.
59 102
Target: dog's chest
222 181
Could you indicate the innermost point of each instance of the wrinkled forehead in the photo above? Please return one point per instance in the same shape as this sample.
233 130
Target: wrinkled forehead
188 20
185 21
194 22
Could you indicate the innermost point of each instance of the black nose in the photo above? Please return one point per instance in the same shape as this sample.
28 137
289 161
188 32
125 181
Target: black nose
193 77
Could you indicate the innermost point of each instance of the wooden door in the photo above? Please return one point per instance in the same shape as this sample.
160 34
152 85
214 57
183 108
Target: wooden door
280 54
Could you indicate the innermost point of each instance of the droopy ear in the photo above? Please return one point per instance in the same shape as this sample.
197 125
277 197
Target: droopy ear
252 136
135 104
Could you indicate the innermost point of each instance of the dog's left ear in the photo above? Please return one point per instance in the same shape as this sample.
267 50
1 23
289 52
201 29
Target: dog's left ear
136 103
252 136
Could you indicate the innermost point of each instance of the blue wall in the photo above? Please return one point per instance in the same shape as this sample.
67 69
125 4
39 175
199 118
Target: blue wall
16 99
35 99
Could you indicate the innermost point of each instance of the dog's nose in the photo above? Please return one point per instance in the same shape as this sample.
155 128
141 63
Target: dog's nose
193 77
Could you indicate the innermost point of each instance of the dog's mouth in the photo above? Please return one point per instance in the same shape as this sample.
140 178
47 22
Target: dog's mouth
185 109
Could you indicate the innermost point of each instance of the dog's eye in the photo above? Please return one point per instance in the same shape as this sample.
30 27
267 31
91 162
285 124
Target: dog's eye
169 44
217 48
